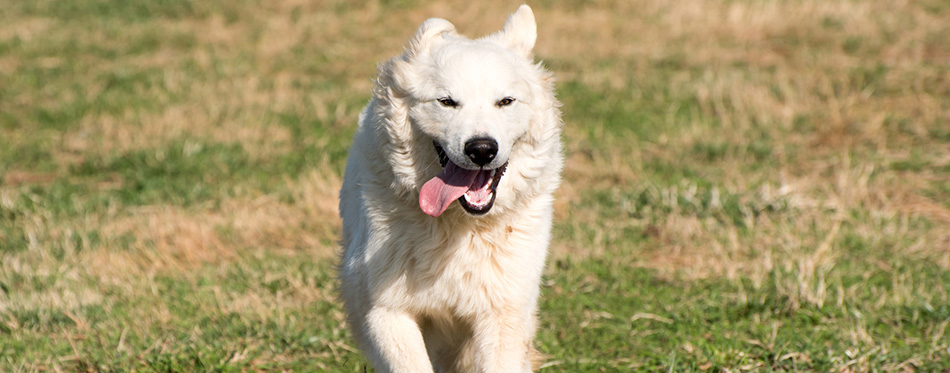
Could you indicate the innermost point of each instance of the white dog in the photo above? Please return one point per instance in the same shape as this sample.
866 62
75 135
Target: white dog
430 284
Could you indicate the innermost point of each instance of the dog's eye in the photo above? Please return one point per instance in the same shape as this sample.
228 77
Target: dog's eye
505 101
448 102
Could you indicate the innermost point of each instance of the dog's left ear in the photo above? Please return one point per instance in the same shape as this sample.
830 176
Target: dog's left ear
520 31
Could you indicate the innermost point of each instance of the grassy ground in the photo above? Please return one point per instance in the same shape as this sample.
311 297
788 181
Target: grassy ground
751 185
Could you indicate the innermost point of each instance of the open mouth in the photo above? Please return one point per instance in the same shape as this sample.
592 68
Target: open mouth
474 189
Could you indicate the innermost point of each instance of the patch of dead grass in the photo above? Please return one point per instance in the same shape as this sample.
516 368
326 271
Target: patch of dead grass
142 242
232 112
173 238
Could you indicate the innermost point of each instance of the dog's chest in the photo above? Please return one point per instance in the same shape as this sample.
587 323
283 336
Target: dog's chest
470 274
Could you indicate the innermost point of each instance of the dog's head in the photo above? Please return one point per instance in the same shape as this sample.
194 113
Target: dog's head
472 103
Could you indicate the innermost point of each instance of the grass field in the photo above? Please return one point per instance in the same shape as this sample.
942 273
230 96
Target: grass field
750 185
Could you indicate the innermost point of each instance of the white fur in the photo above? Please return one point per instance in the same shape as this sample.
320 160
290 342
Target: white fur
456 292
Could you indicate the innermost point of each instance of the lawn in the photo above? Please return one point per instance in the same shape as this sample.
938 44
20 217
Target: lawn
750 185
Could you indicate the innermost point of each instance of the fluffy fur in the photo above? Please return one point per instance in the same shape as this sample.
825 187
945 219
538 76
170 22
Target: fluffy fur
456 292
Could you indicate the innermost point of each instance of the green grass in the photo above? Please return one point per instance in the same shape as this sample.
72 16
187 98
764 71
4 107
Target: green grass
749 186
633 319
193 330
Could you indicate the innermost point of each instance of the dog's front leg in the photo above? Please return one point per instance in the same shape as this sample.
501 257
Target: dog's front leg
502 341
396 342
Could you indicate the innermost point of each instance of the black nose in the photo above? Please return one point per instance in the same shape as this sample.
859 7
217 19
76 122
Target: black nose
481 150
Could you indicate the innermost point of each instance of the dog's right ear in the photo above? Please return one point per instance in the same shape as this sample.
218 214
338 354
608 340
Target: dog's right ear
431 31
520 31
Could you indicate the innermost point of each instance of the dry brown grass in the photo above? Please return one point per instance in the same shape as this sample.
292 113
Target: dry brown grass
173 237
138 242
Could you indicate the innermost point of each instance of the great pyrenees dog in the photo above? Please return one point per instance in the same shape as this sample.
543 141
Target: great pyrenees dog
447 202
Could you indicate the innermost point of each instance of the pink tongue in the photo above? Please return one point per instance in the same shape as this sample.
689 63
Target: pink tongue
439 192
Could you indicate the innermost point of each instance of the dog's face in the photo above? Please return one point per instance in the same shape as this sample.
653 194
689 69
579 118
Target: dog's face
473 99
477 110
478 105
